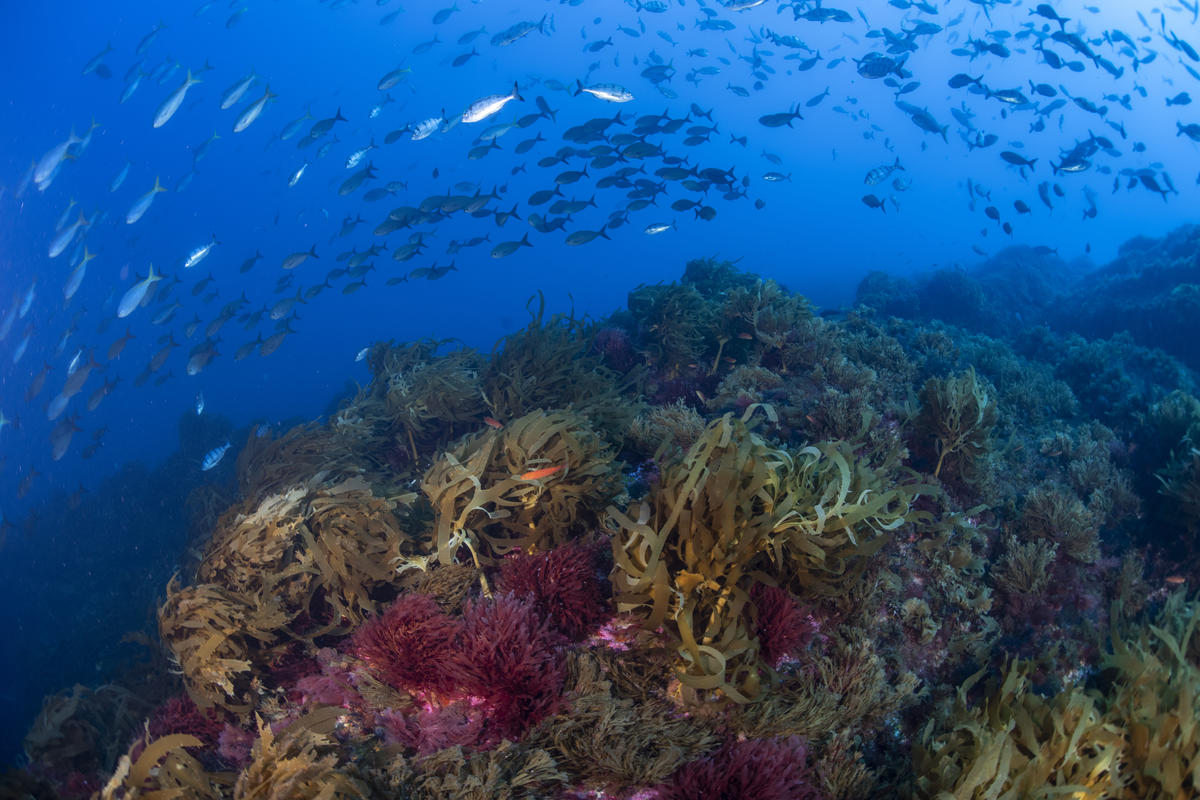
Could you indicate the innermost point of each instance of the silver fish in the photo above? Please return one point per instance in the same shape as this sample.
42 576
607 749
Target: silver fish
172 103
485 107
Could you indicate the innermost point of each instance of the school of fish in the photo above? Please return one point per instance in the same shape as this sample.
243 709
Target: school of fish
627 157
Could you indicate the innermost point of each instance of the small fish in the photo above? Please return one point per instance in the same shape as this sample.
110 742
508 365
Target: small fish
299 257
357 156
485 107
659 227
491 422
135 294
362 354
199 403
200 253
252 113
882 173
234 93
213 457
1017 160
872 201
172 103
544 472
610 92
142 205
297 175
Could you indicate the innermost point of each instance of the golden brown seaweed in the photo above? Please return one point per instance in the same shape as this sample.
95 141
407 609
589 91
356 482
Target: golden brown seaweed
494 492
732 512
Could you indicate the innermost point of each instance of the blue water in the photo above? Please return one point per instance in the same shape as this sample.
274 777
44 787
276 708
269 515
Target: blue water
813 233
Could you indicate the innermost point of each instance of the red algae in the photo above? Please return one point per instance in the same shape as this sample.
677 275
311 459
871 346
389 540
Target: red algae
754 769
563 584
414 645
783 626
514 660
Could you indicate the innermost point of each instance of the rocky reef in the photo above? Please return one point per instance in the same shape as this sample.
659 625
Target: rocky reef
714 545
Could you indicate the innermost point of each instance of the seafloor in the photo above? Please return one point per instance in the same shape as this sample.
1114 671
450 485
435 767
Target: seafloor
716 545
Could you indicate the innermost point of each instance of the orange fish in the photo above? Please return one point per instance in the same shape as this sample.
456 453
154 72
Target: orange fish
493 422
744 335
544 472
1176 580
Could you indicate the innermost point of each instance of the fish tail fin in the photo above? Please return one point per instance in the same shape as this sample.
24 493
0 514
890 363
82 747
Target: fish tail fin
312 251
525 240
604 228
1032 161
517 92
578 88
338 116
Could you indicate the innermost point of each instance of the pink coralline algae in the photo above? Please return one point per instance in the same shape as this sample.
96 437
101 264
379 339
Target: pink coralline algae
754 769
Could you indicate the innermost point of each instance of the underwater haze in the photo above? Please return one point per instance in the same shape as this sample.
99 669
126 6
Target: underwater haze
213 211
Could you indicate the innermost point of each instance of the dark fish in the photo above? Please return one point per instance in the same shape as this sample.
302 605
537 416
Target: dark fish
579 237
444 14
778 120
874 202
463 58
508 248
1047 11
1016 159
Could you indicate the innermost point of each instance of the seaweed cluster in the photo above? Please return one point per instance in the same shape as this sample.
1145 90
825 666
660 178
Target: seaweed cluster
715 544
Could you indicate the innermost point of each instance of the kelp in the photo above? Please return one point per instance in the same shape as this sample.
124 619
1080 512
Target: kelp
217 638
676 426
311 561
1138 738
551 363
164 770
956 419
1181 486
535 483
295 764
732 512
268 465
677 326
1019 745
426 396
765 311
323 550
83 729
1056 514
1155 700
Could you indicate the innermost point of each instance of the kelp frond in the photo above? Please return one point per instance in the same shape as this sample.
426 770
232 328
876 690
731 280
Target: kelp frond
531 485
732 512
